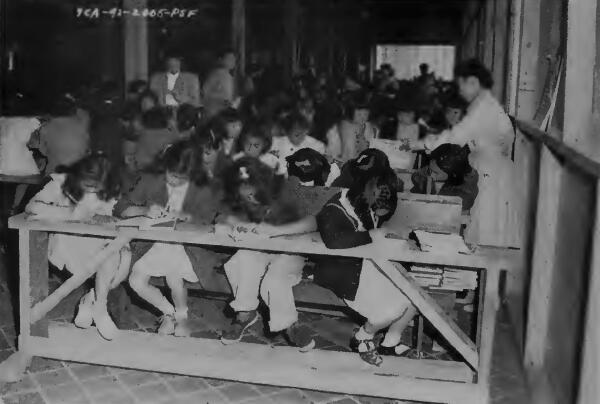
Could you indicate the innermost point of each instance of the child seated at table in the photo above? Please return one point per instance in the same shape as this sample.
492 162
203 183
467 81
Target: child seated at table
179 189
369 163
230 125
351 219
449 163
408 130
256 141
258 208
312 168
297 137
79 192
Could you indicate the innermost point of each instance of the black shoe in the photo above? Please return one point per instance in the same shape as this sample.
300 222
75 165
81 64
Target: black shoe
400 350
367 351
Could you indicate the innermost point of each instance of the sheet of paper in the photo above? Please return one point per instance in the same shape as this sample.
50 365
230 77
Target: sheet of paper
145 223
398 152
441 243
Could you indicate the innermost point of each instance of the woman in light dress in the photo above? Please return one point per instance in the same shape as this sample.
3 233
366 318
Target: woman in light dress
489 133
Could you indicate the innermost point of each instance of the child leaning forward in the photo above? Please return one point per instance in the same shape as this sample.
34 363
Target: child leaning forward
181 190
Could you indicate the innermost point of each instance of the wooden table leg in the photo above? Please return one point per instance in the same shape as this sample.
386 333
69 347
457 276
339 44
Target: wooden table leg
13 368
491 304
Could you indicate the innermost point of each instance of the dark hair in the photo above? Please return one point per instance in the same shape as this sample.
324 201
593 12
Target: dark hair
135 86
229 115
387 185
147 94
474 68
455 101
260 130
453 160
97 167
65 105
318 169
295 120
369 163
209 136
423 66
358 101
183 158
156 118
225 51
187 117
249 171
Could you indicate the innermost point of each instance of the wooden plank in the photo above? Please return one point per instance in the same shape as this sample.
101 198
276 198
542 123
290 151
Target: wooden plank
343 372
38 261
19 179
491 304
501 55
308 244
431 310
24 291
546 236
569 156
528 80
514 50
589 388
579 93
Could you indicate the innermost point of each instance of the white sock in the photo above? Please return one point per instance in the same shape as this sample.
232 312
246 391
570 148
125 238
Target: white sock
362 334
181 314
391 339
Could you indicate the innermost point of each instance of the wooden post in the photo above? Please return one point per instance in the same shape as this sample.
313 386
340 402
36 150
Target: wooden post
135 35
528 89
501 55
239 34
489 34
579 93
38 269
589 389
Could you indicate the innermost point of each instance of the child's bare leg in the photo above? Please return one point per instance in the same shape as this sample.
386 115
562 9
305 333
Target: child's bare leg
393 336
140 283
105 325
179 295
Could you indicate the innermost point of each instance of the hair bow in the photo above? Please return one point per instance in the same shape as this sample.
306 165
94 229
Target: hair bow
244 173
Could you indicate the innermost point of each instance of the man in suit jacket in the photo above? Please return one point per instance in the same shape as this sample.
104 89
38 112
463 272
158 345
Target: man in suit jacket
175 87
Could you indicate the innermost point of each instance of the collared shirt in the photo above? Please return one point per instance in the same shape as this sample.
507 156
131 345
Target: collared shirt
171 79
177 196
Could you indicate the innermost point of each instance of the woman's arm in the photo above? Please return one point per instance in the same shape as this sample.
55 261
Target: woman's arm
305 225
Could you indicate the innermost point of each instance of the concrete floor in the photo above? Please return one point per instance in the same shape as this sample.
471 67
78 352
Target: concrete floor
51 382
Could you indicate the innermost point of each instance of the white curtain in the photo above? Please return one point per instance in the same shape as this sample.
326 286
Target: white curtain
405 59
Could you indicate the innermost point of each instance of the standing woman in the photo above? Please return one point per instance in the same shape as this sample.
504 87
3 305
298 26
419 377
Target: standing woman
219 87
487 131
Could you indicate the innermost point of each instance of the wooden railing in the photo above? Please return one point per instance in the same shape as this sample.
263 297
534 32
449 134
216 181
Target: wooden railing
565 154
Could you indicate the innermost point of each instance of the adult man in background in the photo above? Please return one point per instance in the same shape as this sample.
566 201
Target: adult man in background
175 87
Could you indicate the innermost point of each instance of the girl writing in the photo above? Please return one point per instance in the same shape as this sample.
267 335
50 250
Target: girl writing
79 192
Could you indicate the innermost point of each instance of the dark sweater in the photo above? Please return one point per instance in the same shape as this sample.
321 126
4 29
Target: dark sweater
340 231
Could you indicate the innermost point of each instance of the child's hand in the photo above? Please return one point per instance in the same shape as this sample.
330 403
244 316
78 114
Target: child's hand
156 212
81 213
184 217
378 235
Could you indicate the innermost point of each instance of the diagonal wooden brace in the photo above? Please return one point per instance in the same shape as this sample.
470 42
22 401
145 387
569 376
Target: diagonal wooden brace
42 308
431 310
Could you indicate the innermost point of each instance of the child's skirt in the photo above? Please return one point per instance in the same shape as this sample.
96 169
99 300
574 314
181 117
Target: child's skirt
166 259
377 299
76 252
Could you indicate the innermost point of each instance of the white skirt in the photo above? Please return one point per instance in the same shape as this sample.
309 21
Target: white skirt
75 252
165 259
377 299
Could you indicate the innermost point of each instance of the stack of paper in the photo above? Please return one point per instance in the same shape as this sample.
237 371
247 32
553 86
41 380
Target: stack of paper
440 243
458 280
427 276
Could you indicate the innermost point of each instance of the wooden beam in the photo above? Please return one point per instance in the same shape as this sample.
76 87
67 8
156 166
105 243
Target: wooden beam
239 34
514 51
501 55
38 262
491 304
343 372
24 291
589 388
579 93
135 35
546 238
528 86
431 310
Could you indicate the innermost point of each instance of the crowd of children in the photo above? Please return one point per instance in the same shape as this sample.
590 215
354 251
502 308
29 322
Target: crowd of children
235 169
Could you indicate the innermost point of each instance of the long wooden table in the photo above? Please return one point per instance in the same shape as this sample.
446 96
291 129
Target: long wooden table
438 381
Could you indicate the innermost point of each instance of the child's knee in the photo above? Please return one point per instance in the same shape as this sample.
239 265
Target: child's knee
138 280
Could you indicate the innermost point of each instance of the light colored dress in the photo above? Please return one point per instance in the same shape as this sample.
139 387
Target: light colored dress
348 139
64 250
169 259
488 132
15 156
